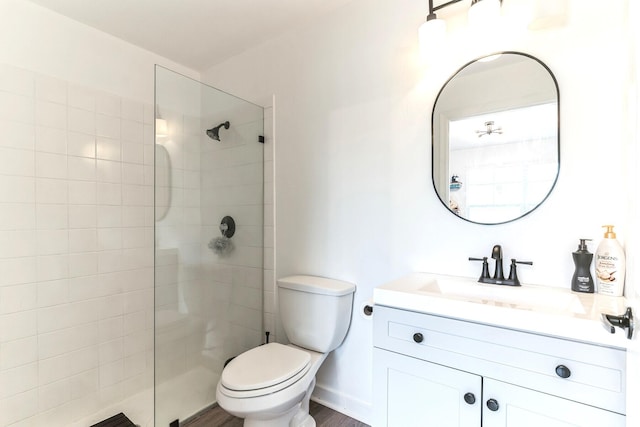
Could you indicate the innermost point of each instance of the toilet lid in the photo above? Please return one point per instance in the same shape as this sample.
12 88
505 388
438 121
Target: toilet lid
264 366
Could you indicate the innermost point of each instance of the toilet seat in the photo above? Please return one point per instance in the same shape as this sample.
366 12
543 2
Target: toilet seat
264 370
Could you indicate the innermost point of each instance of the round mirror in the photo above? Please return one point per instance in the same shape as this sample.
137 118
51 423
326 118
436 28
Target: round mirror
495 138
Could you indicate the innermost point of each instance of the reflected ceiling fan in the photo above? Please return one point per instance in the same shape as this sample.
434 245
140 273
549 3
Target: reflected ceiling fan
489 129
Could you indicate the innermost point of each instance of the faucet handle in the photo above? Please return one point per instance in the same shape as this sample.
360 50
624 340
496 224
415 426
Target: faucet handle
513 275
485 267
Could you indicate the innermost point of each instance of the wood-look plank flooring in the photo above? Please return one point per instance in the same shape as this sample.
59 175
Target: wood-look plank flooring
325 417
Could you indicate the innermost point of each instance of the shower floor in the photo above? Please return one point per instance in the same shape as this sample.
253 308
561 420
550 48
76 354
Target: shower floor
325 417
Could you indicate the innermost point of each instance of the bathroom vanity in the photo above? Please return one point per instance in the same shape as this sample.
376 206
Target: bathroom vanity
452 352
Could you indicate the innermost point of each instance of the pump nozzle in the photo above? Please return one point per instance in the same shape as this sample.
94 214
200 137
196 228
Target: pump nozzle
583 246
609 234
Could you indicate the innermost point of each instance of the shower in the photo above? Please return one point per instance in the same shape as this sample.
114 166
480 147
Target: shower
213 133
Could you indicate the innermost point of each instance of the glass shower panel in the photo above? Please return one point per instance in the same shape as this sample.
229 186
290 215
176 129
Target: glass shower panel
208 268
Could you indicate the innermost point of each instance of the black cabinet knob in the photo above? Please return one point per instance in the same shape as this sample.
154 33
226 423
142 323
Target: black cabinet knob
418 337
493 405
470 398
562 371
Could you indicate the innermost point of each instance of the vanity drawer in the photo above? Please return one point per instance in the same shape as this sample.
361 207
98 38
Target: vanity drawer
583 372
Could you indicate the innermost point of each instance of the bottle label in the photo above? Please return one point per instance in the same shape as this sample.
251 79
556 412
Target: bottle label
606 268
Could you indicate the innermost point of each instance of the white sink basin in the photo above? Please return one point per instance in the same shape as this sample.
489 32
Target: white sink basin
522 297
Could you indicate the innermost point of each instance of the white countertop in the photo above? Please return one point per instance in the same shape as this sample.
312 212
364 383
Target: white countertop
540 309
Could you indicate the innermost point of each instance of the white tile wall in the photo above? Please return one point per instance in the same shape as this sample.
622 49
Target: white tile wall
76 224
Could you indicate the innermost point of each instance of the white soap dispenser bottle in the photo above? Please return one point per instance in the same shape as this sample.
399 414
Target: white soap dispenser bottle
610 265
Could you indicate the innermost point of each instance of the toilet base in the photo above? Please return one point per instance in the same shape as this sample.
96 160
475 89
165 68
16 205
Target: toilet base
298 416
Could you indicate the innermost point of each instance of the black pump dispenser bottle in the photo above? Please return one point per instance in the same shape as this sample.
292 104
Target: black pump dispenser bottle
582 280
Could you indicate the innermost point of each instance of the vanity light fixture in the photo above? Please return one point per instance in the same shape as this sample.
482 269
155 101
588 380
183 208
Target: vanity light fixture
433 28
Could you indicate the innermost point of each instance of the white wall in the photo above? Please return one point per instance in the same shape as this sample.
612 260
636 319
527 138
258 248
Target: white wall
76 222
354 198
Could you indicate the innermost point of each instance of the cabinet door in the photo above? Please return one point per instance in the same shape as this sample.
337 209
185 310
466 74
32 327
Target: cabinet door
507 405
409 392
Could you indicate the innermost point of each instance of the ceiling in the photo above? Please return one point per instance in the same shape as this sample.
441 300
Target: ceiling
194 33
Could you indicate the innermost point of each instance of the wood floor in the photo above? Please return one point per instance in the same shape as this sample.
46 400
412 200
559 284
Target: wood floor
325 417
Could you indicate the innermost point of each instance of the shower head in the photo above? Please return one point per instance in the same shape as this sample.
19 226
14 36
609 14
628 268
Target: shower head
213 133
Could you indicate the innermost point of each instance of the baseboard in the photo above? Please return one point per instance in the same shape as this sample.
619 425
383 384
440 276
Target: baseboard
342 403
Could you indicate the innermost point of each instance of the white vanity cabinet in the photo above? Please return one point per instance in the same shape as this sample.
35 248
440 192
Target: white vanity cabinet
438 371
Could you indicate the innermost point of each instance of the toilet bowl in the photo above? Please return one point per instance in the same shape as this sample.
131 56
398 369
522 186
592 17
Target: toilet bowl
271 385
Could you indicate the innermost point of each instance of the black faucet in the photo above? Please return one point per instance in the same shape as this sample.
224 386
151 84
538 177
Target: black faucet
498 276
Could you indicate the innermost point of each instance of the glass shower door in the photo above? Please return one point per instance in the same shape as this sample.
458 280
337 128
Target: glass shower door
208 239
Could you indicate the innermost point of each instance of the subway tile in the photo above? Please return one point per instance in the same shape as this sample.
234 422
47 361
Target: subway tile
51 140
54 369
81 97
54 394
17 108
110 238
111 373
50 217
111 351
18 298
109 194
18 325
109 216
132 174
84 288
82 216
132 131
51 115
16 162
134 237
51 242
17 135
67 315
51 191
67 340
108 126
83 384
108 171
18 352
52 267
111 306
109 261
133 216
81 144
132 152
108 149
82 193
51 89
18 407
17 244
18 380
83 240
53 292
110 329
17 216
17 189
82 169
17 80
83 264
81 121
50 165
17 270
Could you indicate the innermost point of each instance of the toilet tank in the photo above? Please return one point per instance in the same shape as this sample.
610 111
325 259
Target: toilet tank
315 311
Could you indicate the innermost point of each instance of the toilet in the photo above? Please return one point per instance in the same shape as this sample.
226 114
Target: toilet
270 385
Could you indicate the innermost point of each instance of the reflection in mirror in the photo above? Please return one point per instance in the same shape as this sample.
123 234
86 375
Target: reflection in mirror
496 138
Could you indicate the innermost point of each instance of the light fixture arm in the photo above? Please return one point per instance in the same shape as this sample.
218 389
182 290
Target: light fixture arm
442 6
